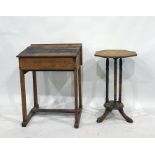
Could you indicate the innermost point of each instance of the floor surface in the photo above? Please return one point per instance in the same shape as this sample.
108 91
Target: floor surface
61 125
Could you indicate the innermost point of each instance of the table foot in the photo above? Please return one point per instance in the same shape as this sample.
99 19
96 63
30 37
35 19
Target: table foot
101 118
112 105
24 124
127 118
76 125
77 122
31 113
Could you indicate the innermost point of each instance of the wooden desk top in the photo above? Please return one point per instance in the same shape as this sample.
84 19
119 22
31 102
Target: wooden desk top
115 53
50 50
51 57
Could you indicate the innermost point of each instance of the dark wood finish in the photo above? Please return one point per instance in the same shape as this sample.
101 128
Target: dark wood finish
127 118
47 63
105 114
71 45
23 95
35 97
51 57
80 89
57 110
120 80
107 79
76 99
114 104
115 80
28 117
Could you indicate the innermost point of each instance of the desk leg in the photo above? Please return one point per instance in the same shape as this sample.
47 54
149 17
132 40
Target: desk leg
80 91
36 105
76 125
26 118
23 96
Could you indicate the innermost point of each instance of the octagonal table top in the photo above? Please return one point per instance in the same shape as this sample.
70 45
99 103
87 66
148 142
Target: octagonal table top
113 53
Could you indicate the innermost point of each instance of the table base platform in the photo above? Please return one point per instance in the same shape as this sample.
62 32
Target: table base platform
112 105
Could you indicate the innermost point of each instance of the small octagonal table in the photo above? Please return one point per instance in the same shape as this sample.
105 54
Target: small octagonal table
116 103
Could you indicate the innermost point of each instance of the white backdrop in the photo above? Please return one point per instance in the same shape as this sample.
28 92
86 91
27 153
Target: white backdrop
95 33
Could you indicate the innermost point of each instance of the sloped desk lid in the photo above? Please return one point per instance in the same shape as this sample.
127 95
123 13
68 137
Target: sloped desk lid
52 50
